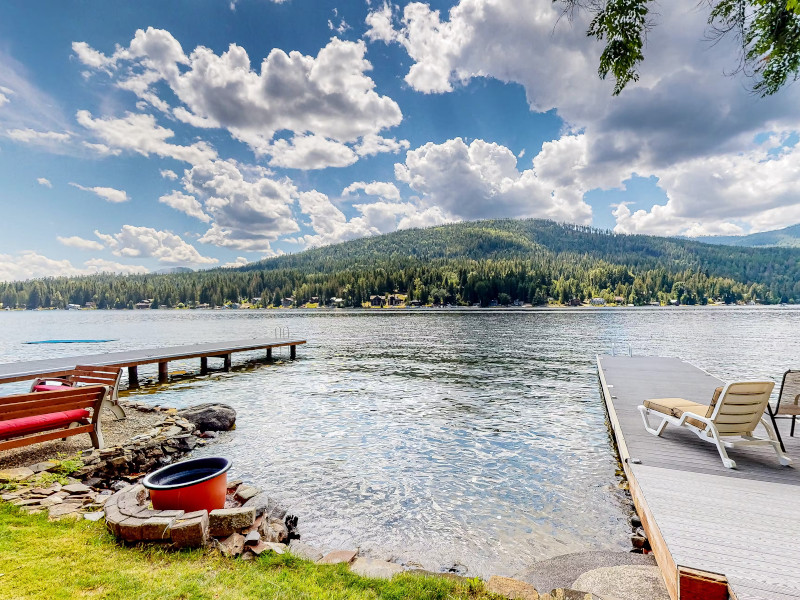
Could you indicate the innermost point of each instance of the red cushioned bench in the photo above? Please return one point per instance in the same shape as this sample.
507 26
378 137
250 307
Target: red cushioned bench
48 415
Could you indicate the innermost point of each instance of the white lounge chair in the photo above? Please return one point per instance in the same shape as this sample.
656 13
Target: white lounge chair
735 411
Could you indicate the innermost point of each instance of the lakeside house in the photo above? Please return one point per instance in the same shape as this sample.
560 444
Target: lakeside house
287 302
597 302
144 304
379 301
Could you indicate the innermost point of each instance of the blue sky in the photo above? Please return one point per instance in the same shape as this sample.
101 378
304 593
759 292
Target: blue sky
140 136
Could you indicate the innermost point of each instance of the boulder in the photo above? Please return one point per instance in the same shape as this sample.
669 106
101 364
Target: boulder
210 416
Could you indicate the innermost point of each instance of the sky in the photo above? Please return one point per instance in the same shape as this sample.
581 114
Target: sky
204 133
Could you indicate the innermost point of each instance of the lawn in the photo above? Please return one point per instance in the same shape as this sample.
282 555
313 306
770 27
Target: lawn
64 560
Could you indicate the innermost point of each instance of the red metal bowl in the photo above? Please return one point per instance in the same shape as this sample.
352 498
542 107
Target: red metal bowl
189 485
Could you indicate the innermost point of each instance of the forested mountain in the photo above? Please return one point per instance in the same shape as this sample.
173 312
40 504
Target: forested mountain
788 237
464 263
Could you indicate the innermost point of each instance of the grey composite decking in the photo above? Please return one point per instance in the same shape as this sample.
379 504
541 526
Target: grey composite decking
53 367
736 522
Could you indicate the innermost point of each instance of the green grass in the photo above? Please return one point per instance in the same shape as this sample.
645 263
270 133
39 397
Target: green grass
64 560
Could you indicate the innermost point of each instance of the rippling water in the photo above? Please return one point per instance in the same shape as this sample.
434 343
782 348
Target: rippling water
473 438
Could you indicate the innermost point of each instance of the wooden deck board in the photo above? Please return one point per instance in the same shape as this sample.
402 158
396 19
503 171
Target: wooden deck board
52 367
733 522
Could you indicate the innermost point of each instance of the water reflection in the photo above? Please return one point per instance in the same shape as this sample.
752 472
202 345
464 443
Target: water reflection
475 438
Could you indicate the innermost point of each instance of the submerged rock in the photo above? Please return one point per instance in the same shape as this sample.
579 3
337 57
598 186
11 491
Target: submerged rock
210 416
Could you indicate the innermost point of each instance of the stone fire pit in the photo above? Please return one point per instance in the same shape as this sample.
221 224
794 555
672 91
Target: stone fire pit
250 521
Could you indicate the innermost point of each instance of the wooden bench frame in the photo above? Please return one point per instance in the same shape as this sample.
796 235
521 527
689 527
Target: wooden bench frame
92 375
43 403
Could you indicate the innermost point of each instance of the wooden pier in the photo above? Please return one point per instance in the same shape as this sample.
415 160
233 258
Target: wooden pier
132 359
710 527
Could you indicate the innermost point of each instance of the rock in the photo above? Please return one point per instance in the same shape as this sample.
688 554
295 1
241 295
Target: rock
273 530
569 594
190 530
304 550
265 505
15 475
93 516
377 569
60 511
233 545
511 588
561 571
43 466
210 416
51 500
119 485
631 582
252 538
245 492
338 556
76 488
224 521
636 521
262 547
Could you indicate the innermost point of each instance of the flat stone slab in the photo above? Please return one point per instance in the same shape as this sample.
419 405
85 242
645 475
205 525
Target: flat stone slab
338 556
562 571
511 588
15 475
304 550
222 522
627 582
76 488
377 569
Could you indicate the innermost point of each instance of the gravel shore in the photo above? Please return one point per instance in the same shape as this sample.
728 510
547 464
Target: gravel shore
114 433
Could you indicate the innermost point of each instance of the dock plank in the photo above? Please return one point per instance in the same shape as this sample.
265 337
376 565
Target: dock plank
53 367
729 521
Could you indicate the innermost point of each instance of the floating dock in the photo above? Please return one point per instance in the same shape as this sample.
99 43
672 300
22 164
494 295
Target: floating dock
709 527
132 359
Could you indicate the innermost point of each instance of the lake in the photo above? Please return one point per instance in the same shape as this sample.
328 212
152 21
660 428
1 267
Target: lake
467 438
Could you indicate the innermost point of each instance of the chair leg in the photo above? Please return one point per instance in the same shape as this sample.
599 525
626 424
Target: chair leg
794 419
117 411
728 462
776 443
657 431
775 426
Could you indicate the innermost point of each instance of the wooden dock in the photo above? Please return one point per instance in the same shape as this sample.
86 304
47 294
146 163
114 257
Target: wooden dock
131 359
708 525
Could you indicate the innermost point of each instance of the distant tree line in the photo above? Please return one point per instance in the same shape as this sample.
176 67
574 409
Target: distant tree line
488 262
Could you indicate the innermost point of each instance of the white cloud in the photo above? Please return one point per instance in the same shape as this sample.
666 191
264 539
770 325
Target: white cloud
106 193
239 262
185 204
44 182
32 265
310 152
80 243
30 136
99 265
168 174
91 57
682 118
373 144
707 196
327 97
482 181
249 207
384 189
141 134
144 242
331 226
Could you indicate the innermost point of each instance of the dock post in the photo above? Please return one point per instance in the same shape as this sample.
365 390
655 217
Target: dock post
293 351
269 353
163 373
133 378
203 365
227 366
